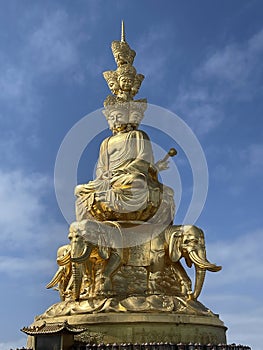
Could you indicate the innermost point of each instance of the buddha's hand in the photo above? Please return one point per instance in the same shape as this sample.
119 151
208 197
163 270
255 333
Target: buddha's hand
78 190
119 172
162 164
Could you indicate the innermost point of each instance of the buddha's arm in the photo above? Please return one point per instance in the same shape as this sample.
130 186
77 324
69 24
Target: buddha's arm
144 161
102 165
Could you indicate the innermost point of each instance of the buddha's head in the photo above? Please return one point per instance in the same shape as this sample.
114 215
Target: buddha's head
117 118
126 75
111 78
137 84
137 109
122 53
116 113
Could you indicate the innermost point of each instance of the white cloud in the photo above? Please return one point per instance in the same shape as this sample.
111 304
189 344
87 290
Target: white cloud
12 82
15 267
13 344
236 63
241 258
24 219
253 158
18 99
50 48
148 48
227 75
245 329
53 45
231 292
242 314
30 236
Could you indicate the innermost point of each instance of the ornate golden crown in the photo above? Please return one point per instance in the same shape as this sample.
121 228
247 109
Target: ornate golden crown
138 105
113 102
137 84
126 70
111 78
121 50
123 98
122 53
110 75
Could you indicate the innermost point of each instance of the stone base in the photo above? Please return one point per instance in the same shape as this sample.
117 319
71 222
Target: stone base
146 327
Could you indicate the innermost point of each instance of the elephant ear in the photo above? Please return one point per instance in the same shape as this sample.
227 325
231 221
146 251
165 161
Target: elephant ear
174 246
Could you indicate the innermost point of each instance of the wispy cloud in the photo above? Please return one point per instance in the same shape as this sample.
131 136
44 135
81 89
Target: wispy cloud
13 344
53 45
12 82
253 158
150 58
237 65
30 235
232 292
48 49
240 254
24 218
229 74
15 266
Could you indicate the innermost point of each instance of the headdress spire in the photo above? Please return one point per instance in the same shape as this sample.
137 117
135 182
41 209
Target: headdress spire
123 39
124 82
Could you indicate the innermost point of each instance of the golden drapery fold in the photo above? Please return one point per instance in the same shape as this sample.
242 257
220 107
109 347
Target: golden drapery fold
126 179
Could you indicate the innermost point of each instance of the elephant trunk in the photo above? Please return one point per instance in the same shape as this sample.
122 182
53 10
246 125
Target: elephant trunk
77 279
77 248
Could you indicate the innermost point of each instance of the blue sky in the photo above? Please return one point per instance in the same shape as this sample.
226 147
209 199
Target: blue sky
203 61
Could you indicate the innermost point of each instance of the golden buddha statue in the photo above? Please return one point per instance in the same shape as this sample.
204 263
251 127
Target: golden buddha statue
124 253
126 186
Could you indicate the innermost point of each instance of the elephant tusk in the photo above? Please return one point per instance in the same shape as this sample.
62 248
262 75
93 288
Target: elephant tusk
199 281
56 278
203 263
83 256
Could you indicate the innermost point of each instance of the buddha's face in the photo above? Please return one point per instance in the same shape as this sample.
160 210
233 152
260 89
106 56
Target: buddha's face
135 117
135 88
126 82
121 59
113 85
117 117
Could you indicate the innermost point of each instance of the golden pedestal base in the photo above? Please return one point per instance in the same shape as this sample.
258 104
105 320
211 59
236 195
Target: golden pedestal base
146 327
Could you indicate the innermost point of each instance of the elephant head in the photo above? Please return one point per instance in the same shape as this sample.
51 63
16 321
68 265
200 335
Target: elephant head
86 235
62 276
71 259
188 242
80 251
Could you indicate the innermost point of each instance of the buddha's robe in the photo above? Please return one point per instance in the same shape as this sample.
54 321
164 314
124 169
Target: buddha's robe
126 179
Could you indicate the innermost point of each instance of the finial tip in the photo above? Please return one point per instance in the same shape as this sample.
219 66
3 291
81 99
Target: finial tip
123 39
